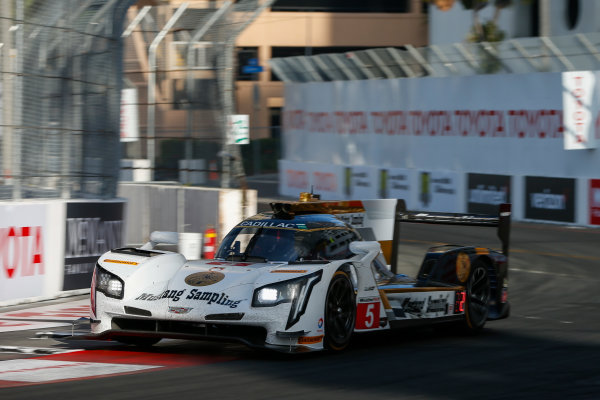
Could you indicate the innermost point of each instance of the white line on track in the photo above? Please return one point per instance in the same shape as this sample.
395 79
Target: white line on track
36 370
533 271
541 319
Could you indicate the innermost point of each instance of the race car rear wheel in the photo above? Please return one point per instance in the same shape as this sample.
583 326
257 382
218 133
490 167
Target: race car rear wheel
340 312
478 296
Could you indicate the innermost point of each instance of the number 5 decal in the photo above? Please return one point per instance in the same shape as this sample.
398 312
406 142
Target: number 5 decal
367 316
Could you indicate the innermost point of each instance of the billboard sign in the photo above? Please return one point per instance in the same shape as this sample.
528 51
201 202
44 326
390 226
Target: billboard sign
550 199
594 201
92 228
437 191
238 131
579 107
360 183
485 192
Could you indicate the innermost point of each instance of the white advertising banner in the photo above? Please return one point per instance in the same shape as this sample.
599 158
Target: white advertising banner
580 106
397 183
130 123
438 191
361 183
495 124
327 180
294 177
31 249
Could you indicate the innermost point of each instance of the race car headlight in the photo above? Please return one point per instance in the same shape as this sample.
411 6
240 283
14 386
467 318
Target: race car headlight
109 284
296 291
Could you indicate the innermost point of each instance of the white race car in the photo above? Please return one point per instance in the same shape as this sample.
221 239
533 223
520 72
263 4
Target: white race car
300 278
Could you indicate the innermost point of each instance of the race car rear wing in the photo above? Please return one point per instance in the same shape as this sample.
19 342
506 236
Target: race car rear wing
501 221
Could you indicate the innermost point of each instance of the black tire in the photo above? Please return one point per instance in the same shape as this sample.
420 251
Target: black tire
340 312
477 305
138 341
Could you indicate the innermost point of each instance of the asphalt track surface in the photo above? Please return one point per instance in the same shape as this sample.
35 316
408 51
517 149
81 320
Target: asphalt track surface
549 348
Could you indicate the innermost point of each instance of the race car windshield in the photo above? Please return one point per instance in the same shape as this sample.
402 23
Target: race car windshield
289 245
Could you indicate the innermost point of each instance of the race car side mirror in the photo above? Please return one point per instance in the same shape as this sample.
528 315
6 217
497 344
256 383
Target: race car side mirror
365 247
161 237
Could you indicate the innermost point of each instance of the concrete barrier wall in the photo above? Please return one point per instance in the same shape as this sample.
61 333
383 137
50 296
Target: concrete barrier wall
177 208
49 248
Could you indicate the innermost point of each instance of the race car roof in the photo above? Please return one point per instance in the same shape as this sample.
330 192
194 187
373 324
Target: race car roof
299 222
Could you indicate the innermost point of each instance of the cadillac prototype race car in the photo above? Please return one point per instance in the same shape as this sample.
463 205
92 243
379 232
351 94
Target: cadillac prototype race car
301 278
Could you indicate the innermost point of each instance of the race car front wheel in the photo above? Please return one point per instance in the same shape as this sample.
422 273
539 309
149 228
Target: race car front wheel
340 312
478 296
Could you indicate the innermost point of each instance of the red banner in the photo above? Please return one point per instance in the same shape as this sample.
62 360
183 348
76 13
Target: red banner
595 201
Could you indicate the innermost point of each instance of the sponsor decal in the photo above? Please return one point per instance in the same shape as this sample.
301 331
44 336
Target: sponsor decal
413 306
463 266
121 262
268 224
180 310
310 339
367 315
92 236
437 305
420 306
174 295
288 271
229 263
204 278
217 269
21 249
357 220
368 299
459 302
320 323
194 294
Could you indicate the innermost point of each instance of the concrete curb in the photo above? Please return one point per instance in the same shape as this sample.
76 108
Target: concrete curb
61 295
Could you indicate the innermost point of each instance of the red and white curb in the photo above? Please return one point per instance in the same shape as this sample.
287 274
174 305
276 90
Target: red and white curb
78 365
33 350
44 317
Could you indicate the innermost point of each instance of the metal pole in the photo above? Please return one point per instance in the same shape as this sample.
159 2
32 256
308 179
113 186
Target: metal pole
198 34
18 109
136 21
228 101
150 129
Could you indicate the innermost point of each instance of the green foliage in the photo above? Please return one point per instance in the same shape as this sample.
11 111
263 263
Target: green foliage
489 32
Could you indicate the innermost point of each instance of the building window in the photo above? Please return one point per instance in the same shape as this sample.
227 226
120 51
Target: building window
246 56
353 6
572 13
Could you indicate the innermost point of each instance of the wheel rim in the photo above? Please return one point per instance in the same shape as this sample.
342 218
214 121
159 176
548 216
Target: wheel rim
479 294
339 311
